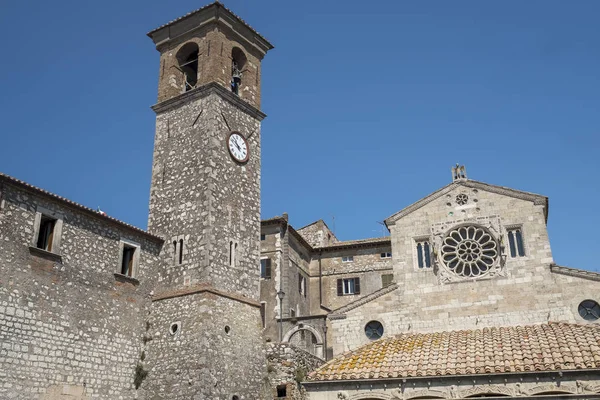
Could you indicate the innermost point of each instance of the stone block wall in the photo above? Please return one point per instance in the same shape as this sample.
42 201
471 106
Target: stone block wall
526 291
215 46
367 265
288 366
68 326
205 195
216 351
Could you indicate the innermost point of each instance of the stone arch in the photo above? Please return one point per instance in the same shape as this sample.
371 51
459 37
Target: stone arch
316 347
187 60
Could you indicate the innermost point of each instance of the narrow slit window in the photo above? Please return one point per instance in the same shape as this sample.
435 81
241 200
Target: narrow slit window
174 250
127 260
46 233
180 251
230 253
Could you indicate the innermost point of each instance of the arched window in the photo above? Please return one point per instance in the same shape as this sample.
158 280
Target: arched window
238 62
187 58
515 242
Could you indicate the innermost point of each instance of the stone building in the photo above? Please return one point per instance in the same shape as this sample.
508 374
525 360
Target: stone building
91 307
461 300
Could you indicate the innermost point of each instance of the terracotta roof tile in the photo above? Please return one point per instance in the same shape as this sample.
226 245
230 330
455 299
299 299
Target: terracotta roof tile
545 347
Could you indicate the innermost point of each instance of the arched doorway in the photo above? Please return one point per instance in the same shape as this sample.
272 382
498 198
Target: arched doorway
306 338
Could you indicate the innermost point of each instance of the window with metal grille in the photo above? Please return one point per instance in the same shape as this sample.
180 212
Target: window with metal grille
348 259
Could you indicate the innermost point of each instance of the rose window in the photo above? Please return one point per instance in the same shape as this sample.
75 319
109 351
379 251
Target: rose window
469 251
462 199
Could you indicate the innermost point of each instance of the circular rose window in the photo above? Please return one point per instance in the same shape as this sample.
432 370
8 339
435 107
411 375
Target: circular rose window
462 199
469 251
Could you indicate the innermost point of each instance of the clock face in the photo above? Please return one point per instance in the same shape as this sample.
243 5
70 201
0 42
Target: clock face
238 147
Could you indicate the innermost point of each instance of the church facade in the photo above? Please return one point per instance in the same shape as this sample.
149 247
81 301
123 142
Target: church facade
461 300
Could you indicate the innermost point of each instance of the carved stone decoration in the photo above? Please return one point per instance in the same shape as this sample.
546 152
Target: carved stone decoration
397 394
342 395
468 249
552 387
487 389
425 393
587 387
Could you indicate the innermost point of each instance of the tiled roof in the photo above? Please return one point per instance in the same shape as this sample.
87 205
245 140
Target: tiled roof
217 4
77 206
545 347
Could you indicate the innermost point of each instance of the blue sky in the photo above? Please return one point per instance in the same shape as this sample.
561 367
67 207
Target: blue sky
368 104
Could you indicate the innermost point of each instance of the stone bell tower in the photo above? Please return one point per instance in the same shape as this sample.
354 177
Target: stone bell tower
204 327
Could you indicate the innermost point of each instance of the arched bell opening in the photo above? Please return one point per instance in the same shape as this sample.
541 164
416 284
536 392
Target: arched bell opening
238 62
187 59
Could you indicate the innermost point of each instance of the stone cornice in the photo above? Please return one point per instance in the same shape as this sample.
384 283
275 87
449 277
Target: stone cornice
205 91
212 13
204 288
579 273
535 198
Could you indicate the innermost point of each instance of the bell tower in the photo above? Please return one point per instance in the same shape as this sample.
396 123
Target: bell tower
205 326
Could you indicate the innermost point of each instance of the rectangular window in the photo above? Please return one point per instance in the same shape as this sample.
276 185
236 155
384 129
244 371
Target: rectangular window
515 242
348 286
263 237
265 268
302 285
45 237
282 390
386 255
47 230
387 280
348 259
127 260
423 254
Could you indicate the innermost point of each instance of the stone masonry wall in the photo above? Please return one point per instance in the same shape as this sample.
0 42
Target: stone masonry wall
288 366
367 265
318 234
200 193
216 352
68 327
526 292
214 65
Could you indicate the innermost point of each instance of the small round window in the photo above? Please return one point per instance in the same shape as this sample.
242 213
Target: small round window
374 330
589 310
174 328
